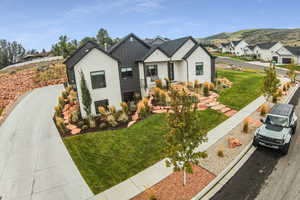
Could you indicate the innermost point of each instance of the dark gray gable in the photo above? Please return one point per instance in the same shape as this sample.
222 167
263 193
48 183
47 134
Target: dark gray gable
129 50
294 50
266 45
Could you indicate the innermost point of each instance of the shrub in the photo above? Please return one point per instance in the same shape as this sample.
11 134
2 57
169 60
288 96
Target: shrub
220 153
196 84
84 127
190 85
61 124
143 108
112 109
158 84
61 102
279 92
123 117
275 98
64 94
69 89
80 123
58 111
246 125
206 91
124 107
12 72
112 120
264 109
1 110
152 197
75 116
102 125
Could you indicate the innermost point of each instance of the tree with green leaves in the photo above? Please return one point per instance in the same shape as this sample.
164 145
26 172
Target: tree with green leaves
10 52
104 38
64 47
292 72
184 135
270 83
85 95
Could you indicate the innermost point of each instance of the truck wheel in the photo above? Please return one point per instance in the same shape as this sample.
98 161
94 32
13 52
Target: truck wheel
285 149
255 143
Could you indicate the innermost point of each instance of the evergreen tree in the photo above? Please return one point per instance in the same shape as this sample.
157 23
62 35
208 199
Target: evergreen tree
85 95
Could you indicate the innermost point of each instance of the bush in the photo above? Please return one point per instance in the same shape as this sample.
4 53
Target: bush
246 125
64 94
220 153
1 110
275 98
158 84
124 107
197 84
152 197
264 109
102 125
84 127
75 116
12 72
61 102
206 91
58 111
61 124
143 108
80 123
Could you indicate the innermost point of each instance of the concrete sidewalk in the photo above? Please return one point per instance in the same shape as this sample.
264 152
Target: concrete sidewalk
154 174
34 163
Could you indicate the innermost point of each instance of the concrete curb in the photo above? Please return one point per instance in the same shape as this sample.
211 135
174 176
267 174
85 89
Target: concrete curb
213 187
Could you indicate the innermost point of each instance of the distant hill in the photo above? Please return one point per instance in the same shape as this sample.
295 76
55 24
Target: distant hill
254 36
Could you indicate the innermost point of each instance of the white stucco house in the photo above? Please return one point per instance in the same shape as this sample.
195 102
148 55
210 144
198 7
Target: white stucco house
239 47
131 67
287 55
224 47
264 51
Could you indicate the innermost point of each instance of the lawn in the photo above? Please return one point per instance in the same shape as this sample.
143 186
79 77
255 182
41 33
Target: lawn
109 157
246 88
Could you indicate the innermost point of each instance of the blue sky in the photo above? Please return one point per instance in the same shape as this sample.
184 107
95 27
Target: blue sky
37 23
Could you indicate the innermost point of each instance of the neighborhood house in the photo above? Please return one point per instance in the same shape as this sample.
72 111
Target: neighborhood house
132 66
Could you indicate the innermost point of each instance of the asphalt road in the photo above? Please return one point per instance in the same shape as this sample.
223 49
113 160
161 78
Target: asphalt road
268 175
248 65
34 163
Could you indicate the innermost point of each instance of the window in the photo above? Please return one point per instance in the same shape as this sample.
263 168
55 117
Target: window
103 103
98 79
151 70
199 68
126 72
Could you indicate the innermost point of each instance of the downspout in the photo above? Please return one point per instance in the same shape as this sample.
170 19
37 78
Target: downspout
187 69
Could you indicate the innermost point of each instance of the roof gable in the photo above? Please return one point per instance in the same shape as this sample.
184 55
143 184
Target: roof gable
194 48
266 45
171 46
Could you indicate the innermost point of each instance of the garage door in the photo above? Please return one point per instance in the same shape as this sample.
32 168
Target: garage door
286 60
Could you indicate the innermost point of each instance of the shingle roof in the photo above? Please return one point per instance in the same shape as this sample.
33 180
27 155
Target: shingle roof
293 50
171 46
236 42
251 47
225 44
82 51
266 45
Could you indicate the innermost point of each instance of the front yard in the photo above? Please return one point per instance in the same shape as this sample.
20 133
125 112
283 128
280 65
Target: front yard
246 88
107 158
297 68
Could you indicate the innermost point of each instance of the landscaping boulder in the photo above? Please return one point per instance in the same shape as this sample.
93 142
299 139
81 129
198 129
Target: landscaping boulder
130 123
233 142
76 131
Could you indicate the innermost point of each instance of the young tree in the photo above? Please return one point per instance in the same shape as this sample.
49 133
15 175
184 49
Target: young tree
103 37
292 72
10 52
270 83
85 95
184 135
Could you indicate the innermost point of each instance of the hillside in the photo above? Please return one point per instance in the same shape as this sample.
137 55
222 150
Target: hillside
254 36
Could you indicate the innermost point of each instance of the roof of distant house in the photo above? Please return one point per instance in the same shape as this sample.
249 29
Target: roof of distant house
236 42
294 50
266 45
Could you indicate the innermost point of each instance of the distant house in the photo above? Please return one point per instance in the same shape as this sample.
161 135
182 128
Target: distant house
287 55
156 41
131 67
239 47
264 51
249 50
30 57
224 47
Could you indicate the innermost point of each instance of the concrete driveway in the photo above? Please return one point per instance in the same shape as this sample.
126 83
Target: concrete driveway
34 163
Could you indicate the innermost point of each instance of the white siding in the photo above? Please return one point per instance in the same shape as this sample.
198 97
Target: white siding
199 55
180 71
157 56
182 51
96 60
239 49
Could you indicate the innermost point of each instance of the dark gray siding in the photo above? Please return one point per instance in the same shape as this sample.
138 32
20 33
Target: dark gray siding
128 53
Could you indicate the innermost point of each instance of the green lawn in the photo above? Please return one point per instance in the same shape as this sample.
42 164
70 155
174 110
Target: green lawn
246 88
109 157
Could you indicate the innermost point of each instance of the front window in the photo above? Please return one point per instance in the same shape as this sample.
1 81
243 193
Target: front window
151 70
199 68
98 79
126 72
277 120
101 103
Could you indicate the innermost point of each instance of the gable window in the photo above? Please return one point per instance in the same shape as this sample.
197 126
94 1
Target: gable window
101 103
199 68
98 79
151 70
126 72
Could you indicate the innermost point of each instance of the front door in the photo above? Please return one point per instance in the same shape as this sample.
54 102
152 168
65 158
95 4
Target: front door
275 58
171 71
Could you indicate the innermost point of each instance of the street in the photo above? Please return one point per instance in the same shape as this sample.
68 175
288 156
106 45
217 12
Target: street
268 175
250 66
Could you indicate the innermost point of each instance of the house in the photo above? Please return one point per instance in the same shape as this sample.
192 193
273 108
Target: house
264 51
287 55
224 47
249 50
156 41
238 47
131 67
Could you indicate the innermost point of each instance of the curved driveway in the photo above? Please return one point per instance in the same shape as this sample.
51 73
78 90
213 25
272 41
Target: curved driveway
34 163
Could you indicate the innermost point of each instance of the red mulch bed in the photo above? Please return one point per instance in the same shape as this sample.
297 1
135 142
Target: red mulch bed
171 188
